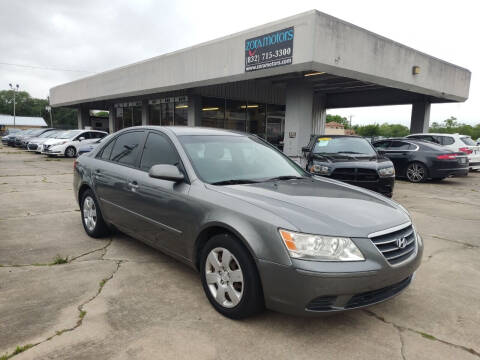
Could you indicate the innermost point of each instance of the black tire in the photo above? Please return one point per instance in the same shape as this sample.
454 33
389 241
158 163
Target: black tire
70 152
416 172
100 228
251 301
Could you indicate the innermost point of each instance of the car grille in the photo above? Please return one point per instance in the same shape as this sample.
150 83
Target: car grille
354 174
46 147
375 296
389 244
32 146
322 303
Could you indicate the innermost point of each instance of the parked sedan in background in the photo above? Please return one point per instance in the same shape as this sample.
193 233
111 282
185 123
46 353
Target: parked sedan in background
260 230
86 148
455 142
351 159
10 133
67 143
22 140
12 139
34 143
419 160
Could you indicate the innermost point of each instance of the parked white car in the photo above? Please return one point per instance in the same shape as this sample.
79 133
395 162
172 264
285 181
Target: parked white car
67 143
34 144
457 143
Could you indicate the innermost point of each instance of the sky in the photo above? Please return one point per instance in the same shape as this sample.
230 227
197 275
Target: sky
57 41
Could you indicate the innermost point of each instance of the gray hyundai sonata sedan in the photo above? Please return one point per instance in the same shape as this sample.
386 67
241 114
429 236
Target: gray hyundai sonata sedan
261 231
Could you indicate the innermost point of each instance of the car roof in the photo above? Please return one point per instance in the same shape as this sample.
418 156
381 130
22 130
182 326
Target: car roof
438 134
337 136
190 130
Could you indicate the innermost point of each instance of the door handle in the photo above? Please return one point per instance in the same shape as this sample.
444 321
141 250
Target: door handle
133 185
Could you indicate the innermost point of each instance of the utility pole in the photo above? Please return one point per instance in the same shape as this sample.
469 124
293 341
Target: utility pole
351 116
15 89
49 109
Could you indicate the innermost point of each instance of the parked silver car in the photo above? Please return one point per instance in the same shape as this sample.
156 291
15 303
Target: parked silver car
259 229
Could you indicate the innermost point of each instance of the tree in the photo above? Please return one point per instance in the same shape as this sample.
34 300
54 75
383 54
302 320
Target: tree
451 122
64 118
339 119
367 130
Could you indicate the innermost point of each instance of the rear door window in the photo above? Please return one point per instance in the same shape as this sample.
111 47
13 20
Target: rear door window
127 147
400 145
382 145
446 140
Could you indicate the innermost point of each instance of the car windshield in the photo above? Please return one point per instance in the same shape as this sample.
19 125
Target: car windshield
53 134
36 132
236 159
46 134
68 134
467 141
343 145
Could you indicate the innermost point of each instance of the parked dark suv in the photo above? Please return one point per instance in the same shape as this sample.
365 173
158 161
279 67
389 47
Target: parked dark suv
351 159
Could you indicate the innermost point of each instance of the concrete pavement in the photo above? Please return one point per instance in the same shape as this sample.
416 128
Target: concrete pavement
116 298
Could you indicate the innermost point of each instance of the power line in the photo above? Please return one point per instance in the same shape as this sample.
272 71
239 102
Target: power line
45 68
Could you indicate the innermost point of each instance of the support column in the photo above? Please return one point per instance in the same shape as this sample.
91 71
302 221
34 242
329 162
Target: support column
298 118
145 114
83 117
420 121
319 116
194 114
111 119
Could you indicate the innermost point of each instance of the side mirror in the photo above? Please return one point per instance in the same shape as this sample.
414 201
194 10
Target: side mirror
166 172
81 138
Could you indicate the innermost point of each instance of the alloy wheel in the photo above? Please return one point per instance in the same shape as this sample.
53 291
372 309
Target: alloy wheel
70 152
415 172
89 213
224 277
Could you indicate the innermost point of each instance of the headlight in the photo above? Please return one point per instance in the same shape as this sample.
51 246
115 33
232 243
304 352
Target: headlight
387 171
320 248
320 169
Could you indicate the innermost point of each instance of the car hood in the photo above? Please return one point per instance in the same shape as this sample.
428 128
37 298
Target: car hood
339 160
321 206
55 141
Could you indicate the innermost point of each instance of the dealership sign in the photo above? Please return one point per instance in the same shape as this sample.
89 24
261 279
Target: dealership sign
270 50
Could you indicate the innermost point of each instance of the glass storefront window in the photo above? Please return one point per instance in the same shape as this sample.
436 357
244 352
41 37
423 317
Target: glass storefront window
235 115
181 114
167 114
136 116
256 119
213 112
275 125
119 118
154 114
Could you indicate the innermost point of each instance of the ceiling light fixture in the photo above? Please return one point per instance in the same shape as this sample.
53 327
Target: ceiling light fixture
314 73
249 106
210 109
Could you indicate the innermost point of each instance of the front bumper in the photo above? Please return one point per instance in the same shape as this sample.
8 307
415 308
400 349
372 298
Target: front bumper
314 288
54 150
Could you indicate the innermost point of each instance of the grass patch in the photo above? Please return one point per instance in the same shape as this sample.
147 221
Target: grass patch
18 350
82 314
103 282
428 336
52 159
59 260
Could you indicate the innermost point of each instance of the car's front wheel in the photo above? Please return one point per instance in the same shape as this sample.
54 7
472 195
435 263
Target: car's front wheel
230 278
70 152
416 172
92 218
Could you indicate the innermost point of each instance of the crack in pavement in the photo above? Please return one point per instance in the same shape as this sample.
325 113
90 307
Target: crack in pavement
464 247
455 241
80 308
432 338
39 214
103 248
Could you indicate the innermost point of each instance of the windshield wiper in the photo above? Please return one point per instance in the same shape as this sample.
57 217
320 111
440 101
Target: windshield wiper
234 182
285 177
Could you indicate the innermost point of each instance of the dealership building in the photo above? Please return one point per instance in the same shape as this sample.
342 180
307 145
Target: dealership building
276 80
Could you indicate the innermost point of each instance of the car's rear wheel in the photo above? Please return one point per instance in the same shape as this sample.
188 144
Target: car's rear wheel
230 278
416 172
70 152
92 218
